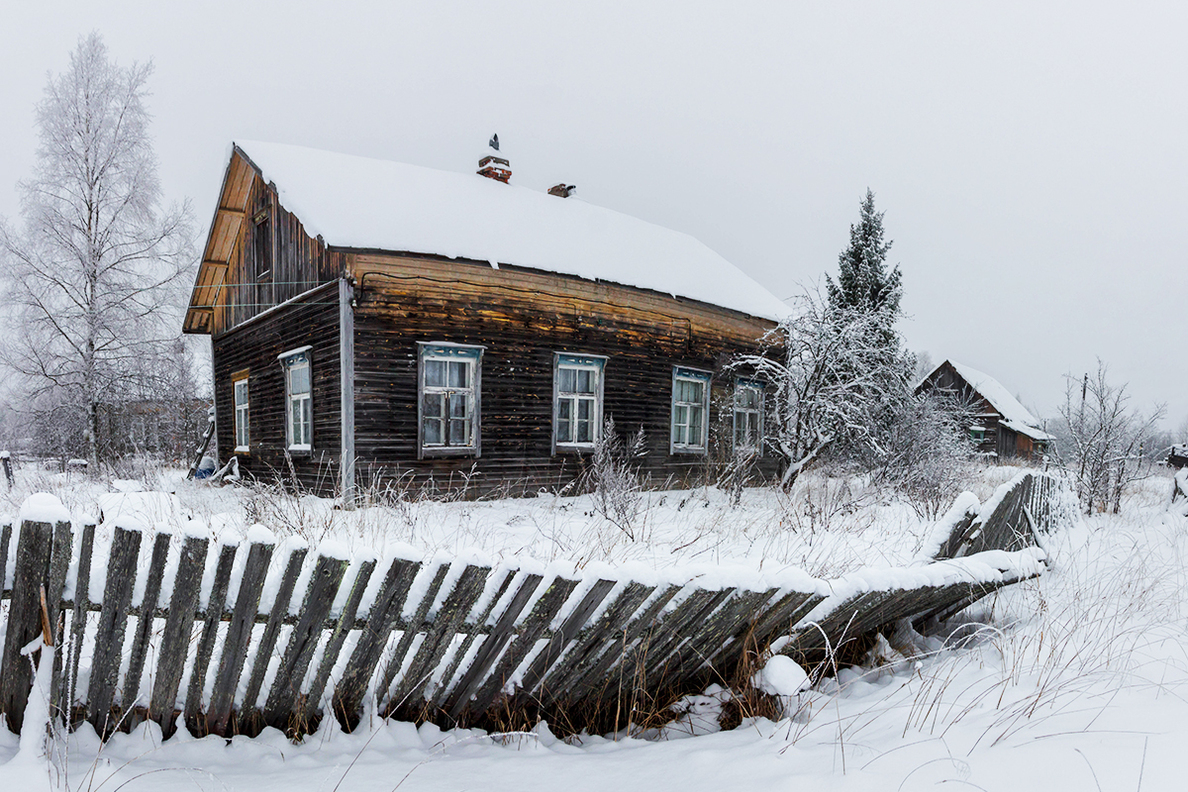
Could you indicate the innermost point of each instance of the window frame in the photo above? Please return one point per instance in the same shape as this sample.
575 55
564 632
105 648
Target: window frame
241 377
578 362
448 351
291 360
760 388
705 378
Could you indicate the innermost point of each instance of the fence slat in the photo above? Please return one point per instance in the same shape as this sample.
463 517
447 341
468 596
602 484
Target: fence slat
659 666
615 650
144 629
250 718
410 632
175 638
280 708
383 618
34 547
592 641
447 676
5 538
492 645
239 635
713 636
78 619
346 622
109 636
437 639
195 720
547 607
59 565
557 644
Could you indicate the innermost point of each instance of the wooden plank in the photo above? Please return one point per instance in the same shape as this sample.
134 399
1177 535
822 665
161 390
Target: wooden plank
592 641
281 706
175 637
547 607
239 635
59 565
447 676
5 537
558 642
342 628
655 666
34 547
450 616
109 636
78 619
385 614
144 629
196 722
410 631
346 362
713 638
489 650
615 651
249 717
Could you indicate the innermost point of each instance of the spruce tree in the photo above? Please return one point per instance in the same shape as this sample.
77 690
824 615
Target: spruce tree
863 282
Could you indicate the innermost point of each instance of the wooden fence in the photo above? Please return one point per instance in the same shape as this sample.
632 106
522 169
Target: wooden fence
207 636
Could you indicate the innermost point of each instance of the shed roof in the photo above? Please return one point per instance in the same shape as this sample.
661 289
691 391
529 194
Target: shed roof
1014 415
357 202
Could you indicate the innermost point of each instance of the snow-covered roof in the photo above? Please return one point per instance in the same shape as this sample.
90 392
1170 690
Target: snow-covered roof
1014 415
368 203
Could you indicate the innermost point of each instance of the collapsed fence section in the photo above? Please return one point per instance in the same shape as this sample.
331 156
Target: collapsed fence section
230 637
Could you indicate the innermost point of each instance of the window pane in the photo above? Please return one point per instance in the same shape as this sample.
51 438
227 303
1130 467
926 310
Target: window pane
306 420
459 436
458 374
566 380
694 426
432 405
565 409
564 430
299 380
585 381
583 432
435 373
241 392
431 431
585 409
458 403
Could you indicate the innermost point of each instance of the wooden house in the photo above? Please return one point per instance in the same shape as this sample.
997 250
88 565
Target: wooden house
1000 425
370 318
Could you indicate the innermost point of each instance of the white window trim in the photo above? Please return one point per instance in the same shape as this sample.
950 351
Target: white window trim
761 388
441 350
245 409
283 358
596 363
694 375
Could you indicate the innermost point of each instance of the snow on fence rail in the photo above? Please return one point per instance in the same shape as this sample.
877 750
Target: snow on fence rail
206 636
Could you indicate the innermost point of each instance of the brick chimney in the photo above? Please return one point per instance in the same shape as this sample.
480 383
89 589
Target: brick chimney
563 190
494 167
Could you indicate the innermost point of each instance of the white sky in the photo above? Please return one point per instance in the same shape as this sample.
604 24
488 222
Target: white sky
1030 157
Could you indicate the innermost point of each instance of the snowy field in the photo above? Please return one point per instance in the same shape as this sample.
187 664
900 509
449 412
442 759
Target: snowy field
1077 680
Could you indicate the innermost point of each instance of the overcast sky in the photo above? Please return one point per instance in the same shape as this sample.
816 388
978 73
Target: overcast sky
1030 157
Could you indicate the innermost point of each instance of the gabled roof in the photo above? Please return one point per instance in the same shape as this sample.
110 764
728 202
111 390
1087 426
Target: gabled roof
356 202
1014 415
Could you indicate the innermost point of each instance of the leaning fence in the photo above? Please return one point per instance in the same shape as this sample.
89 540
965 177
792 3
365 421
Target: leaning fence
229 637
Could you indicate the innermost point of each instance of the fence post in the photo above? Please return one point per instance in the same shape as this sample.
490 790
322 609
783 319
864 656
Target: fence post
42 518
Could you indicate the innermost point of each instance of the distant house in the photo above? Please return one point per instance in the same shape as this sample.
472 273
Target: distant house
371 319
1177 456
1000 425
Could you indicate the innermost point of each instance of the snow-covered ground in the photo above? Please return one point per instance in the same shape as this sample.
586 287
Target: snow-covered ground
1077 680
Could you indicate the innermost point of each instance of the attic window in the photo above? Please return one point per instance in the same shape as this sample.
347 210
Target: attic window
262 247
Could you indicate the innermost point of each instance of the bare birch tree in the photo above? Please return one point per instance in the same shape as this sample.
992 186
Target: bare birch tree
1102 441
93 275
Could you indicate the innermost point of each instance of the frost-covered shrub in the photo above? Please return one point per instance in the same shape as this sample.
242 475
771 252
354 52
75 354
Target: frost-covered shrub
617 489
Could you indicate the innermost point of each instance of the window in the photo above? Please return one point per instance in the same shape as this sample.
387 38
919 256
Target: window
240 386
298 393
449 380
577 400
748 416
690 404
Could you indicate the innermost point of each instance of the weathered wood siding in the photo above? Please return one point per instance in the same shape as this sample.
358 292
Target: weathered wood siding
522 317
254 346
947 380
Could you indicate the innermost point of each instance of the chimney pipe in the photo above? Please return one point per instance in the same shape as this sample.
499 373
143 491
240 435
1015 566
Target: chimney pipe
563 190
